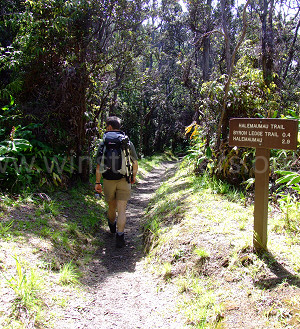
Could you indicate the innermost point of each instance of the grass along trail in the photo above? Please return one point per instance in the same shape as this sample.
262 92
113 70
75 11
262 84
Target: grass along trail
199 238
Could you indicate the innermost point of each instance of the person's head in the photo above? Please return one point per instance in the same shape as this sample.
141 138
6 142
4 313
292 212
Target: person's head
114 122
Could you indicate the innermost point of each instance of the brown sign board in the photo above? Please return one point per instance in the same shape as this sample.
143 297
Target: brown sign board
264 133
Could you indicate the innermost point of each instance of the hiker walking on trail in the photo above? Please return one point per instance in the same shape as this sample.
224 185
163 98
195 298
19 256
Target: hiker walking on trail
117 164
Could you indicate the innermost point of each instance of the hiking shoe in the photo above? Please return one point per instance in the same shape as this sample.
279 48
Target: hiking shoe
120 240
112 227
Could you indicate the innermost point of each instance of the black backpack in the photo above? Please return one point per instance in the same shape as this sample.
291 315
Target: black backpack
114 153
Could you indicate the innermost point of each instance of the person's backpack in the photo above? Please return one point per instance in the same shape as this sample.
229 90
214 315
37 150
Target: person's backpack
114 155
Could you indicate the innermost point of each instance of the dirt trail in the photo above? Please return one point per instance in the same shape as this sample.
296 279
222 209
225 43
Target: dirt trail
121 292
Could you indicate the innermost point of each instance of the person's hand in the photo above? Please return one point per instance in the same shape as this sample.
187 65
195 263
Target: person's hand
98 188
133 180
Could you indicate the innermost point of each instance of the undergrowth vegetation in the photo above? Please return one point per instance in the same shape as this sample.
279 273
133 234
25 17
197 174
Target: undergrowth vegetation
45 239
198 233
25 161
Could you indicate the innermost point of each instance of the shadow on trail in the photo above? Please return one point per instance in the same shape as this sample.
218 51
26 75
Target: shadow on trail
109 260
281 273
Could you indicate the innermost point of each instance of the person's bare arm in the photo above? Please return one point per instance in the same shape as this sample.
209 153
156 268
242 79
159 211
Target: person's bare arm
98 186
135 167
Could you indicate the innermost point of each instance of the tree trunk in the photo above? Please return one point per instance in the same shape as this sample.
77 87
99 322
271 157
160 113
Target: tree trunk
225 8
267 41
291 51
83 142
224 120
206 45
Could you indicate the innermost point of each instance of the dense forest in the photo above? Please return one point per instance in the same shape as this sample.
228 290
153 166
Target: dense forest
174 71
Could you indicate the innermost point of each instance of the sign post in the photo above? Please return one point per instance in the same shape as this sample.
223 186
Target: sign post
262 157
262 134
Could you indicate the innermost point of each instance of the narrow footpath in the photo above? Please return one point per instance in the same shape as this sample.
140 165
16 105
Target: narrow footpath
122 292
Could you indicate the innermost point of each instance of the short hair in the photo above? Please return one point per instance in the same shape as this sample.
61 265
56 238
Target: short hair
114 121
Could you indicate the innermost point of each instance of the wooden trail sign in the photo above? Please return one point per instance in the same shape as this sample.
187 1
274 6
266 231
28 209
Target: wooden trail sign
262 134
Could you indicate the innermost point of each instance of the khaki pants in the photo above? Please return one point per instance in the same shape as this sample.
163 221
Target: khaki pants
116 189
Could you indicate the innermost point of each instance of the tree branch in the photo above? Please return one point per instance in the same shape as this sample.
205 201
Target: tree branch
227 84
208 34
291 51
